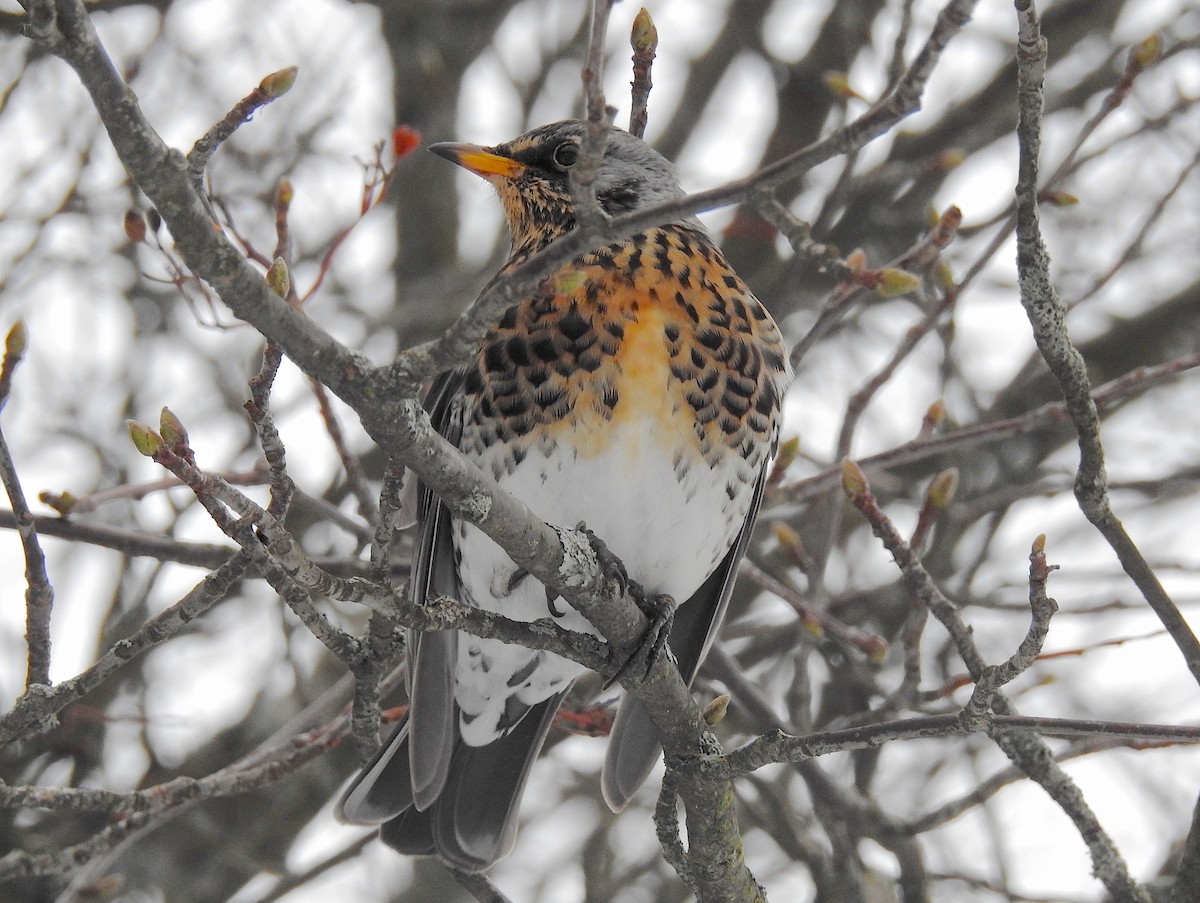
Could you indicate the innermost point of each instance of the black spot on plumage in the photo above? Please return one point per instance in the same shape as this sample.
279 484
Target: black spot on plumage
710 339
735 404
590 359
662 259
542 306
729 425
615 329
671 331
513 405
523 674
766 401
518 351
610 397
730 280
473 381
573 326
774 359
681 373
494 360
509 319
708 380
754 365
544 348
514 711
740 385
735 355
547 396
698 358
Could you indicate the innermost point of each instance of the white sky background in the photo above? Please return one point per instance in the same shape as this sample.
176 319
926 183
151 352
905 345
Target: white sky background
79 319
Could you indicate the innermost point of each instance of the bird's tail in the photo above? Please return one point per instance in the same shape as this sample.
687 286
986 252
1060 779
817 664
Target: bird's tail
473 821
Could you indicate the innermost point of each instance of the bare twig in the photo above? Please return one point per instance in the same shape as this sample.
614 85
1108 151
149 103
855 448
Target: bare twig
34 713
775 747
39 594
666 827
643 38
289 881
478 886
154 806
270 88
1047 316
599 117
356 479
1047 416
996 676
817 619
1026 750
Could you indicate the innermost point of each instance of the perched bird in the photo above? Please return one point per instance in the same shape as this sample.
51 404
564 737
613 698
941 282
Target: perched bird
637 392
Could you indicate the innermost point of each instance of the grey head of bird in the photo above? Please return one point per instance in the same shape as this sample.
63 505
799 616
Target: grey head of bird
531 173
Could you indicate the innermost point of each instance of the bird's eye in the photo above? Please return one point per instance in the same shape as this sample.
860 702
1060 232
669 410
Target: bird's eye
566 154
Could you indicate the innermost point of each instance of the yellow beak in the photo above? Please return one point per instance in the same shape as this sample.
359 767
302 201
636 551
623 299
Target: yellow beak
479 160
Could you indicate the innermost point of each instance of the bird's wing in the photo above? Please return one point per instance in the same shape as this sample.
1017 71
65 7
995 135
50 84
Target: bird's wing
633 745
434 793
411 766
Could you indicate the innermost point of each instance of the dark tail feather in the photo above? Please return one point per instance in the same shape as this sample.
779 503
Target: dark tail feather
633 748
383 789
410 832
473 823
475 819
433 721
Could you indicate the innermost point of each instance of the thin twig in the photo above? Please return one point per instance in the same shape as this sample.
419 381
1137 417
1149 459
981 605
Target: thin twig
1047 416
599 117
39 593
1047 315
1025 749
643 38
270 88
154 806
996 676
478 886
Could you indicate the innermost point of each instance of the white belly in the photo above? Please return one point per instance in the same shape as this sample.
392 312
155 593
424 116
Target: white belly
665 512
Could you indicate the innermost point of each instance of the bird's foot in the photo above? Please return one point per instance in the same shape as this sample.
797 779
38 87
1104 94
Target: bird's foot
658 608
610 565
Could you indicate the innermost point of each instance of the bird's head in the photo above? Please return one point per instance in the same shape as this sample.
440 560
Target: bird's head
531 174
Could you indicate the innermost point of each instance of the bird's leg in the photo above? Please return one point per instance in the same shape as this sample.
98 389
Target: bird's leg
658 608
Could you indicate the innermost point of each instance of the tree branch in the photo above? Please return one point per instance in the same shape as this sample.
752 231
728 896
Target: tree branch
1047 315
